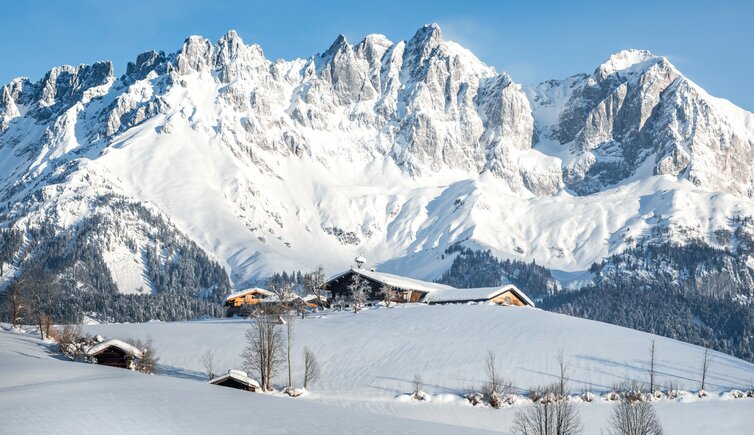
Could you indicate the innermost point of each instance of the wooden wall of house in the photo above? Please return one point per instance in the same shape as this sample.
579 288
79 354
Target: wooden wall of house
113 357
508 298
232 383
339 287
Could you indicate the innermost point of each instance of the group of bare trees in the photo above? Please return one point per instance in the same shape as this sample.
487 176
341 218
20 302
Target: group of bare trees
29 300
652 371
269 343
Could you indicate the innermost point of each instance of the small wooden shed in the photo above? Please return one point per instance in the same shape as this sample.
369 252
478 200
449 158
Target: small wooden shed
236 379
114 353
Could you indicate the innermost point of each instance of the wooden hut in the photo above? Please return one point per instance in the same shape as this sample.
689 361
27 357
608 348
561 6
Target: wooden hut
114 353
245 300
236 379
507 294
407 289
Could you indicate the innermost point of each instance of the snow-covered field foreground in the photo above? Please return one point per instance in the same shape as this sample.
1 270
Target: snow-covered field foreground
368 360
43 394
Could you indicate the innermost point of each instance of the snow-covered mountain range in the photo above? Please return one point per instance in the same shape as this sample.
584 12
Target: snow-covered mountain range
390 150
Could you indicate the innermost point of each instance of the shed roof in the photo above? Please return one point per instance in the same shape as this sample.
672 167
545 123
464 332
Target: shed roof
236 375
114 342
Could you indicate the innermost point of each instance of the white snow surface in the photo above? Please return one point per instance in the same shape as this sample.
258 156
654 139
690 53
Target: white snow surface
368 360
41 393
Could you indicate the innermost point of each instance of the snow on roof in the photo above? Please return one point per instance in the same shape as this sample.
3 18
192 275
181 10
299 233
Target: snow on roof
310 297
399 282
474 294
273 298
114 342
247 291
236 375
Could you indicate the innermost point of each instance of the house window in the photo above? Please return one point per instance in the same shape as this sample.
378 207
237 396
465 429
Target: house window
507 300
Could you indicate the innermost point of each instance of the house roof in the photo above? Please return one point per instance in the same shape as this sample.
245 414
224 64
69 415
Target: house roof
474 294
236 375
113 342
247 291
399 282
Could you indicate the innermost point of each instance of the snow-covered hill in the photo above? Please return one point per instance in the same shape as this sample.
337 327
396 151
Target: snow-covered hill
391 150
368 360
42 394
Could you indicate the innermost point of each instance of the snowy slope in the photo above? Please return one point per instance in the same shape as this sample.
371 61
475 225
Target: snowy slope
82 398
390 150
446 346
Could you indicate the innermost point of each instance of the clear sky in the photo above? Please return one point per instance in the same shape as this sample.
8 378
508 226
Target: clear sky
711 42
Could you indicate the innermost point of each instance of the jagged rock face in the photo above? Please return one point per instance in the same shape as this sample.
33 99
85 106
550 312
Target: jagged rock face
249 129
638 108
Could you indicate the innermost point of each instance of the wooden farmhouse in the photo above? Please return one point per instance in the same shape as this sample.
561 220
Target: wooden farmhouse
508 294
115 353
414 290
245 300
407 289
236 379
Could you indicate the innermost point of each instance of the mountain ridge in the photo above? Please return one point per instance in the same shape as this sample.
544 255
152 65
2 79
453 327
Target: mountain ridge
392 150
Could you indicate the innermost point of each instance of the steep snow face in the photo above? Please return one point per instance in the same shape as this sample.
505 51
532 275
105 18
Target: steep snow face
389 150
637 112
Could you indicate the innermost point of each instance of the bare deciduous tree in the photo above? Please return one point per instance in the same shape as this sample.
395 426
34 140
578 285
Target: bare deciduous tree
208 361
359 292
634 418
316 283
652 357
149 359
706 363
563 378
548 417
388 294
264 348
496 386
311 367
288 320
14 303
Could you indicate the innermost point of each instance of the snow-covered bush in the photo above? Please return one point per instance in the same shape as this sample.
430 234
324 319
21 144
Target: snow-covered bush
418 384
71 342
736 394
587 396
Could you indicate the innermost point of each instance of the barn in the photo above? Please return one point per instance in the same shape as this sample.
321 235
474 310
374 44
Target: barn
114 353
407 289
236 379
507 294
242 301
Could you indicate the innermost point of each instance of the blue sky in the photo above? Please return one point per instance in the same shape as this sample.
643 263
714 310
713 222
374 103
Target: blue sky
712 42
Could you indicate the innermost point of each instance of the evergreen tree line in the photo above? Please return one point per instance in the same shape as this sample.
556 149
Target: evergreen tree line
473 268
